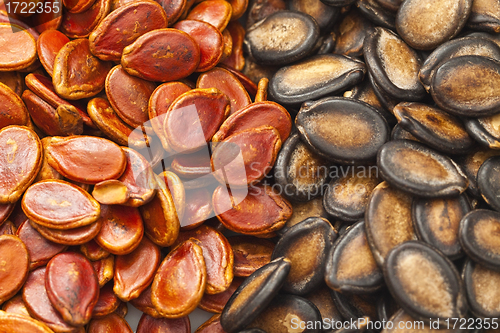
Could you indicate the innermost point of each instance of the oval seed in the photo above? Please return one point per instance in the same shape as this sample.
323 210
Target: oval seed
456 48
306 245
376 13
481 287
216 12
388 220
414 168
122 229
86 159
207 108
18 48
80 25
346 197
111 192
303 210
253 295
256 212
350 266
256 149
108 302
90 71
400 317
218 256
129 96
39 306
180 281
48 46
342 129
72 287
315 77
467 86
299 171
393 64
485 130
434 127
61 205
229 84
478 237
209 39
437 222
282 38
489 182
135 271
15 258
162 55
425 283
427 24
20 160
352 32
123 26
256 115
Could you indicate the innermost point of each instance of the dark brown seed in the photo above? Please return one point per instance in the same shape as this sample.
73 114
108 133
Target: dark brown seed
427 24
481 285
400 318
471 163
456 48
356 305
346 197
300 172
324 15
478 230
254 295
250 254
467 86
352 31
388 220
416 169
284 311
342 129
398 133
425 283
260 9
282 38
488 181
72 287
303 210
393 64
434 127
350 266
386 306
148 324
379 15
485 16
307 245
484 130
437 222
315 77
323 300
